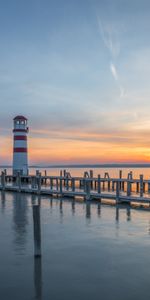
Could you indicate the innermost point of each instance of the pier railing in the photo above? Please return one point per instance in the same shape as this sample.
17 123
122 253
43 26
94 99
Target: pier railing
88 187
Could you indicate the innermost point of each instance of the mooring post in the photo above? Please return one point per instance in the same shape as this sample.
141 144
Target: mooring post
32 182
99 184
141 185
88 188
51 184
3 180
80 183
64 178
117 190
120 177
91 176
73 184
131 175
95 185
37 172
129 183
45 174
128 187
57 184
113 185
67 184
60 185
39 183
148 186
137 187
37 230
123 185
108 180
36 176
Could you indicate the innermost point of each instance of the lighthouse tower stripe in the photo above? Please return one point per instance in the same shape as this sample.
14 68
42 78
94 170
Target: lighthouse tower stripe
20 150
20 130
20 138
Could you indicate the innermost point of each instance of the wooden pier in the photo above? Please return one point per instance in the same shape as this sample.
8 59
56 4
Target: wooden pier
122 190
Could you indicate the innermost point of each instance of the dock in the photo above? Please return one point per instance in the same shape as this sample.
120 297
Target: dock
121 190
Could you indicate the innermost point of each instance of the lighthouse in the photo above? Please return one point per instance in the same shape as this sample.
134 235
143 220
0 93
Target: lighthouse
20 151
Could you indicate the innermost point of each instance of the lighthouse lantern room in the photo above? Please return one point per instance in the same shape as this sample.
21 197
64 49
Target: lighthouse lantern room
20 153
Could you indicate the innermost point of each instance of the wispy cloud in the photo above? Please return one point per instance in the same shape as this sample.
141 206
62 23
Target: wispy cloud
114 71
109 35
110 38
115 75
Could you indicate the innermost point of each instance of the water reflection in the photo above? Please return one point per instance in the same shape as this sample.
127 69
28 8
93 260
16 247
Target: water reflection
3 201
99 210
128 213
38 278
61 210
73 206
88 210
51 203
20 220
33 199
117 213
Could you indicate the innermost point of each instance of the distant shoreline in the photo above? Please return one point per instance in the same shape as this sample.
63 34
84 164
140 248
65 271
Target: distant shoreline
84 166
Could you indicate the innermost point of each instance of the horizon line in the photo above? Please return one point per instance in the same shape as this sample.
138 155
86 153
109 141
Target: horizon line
105 165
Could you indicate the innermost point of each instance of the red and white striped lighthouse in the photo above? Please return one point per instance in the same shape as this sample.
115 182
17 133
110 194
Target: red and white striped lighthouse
20 151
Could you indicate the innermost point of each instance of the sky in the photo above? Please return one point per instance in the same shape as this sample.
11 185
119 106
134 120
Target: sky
79 70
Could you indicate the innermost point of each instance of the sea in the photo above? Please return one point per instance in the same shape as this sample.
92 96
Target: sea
90 250
79 171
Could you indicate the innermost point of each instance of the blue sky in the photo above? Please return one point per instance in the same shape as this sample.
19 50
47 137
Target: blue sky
79 70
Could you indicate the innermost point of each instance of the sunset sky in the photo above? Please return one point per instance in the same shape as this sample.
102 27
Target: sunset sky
79 70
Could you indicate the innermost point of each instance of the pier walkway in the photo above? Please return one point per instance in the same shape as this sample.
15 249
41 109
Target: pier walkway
122 190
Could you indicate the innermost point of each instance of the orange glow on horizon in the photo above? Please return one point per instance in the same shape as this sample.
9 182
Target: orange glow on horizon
81 148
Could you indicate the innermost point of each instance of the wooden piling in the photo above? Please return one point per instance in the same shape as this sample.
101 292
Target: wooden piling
117 191
113 185
3 180
73 184
120 177
88 189
99 184
137 187
141 185
57 184
37 231
51 184
39 183
128 188
91 176
60 185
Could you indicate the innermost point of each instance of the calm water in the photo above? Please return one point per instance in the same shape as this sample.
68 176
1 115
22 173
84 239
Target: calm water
90 251
113 172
